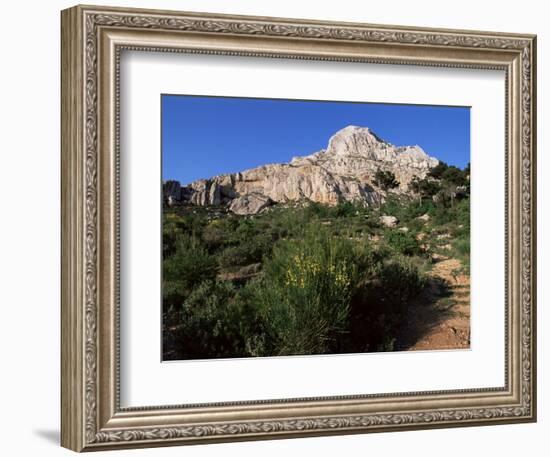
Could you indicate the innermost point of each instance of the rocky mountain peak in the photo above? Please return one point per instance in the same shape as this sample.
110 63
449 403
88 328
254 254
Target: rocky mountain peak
344 171
355 141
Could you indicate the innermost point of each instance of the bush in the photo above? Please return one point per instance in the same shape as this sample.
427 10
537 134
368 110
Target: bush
458 214
187 267
399 281
462 214
405 210
454 175
323 287
214 236
437 171
462 248
402 242
245 230
304 296
170 233
245 253
462 245
190 222
318 210
220 232
379 306
213 323
348 209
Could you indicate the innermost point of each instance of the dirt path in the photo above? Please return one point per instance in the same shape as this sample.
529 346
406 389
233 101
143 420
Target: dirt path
441 320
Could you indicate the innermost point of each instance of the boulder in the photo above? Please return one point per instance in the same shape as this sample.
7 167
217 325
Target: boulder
249 204
388 221
425 217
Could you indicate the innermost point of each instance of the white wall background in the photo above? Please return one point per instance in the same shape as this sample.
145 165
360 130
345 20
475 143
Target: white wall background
29 227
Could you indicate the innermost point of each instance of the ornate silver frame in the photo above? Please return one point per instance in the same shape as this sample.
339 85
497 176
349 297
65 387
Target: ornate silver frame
92 40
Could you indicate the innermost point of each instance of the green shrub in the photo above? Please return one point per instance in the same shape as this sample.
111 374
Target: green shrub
437 171
406 210
379 305
462 245
213 323
323 287
216 320
190 221
220 232
454 175
462 248
402 242
458 214
462 213
318 210
399 280
245 253
214 236
304 295
245 230
187 267
348 209
170 233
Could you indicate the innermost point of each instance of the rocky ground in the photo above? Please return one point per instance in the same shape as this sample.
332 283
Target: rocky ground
441 318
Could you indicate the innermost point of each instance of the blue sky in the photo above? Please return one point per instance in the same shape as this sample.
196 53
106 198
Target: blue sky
208 136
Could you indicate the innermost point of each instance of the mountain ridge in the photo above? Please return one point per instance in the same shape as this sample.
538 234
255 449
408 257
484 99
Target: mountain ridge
344 171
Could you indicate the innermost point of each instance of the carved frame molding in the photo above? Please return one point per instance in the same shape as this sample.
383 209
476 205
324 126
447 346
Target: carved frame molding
92 39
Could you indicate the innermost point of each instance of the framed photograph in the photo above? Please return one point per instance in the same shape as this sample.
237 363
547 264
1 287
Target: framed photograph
274 228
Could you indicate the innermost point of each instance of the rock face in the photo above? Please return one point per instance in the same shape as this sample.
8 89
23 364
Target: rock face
250 204
344 171
205 192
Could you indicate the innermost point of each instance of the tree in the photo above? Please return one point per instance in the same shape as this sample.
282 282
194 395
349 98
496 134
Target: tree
385 179
437 171
454 176
424 188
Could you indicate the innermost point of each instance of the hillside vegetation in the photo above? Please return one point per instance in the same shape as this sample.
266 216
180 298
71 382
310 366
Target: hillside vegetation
305 278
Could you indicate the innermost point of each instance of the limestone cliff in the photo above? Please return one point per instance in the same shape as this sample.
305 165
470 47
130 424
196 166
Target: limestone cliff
344 171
